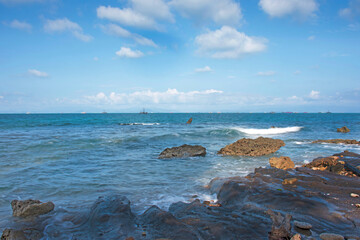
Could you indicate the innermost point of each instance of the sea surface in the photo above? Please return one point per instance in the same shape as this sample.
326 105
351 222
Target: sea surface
72 159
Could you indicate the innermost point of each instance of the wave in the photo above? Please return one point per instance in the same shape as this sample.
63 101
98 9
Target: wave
268 131
140 124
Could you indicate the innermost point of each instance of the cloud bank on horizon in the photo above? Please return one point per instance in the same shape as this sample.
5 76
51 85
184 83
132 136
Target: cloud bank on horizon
180 55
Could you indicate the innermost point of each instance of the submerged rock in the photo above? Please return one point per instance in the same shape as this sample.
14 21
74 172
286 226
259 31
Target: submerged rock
252 147
30 208
281 162
338 141
344 129
26 234
183 151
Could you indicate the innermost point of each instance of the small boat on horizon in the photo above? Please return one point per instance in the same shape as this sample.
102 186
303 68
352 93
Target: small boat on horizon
143 111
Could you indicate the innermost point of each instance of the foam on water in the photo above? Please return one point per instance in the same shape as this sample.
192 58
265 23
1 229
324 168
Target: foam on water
268 131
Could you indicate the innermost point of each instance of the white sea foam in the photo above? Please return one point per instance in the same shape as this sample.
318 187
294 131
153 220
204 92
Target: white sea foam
268 131
141 124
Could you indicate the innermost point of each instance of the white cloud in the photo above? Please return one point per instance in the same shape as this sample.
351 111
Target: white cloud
204 69
157 9
141 14
96 59
266 74
227 42
127 52
171 96
118 31
65 25
314 94
1 97
297 72
37 73
281 8
352 11
223 12
310 38
21 25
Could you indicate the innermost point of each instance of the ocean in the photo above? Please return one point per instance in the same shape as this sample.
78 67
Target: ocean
72 159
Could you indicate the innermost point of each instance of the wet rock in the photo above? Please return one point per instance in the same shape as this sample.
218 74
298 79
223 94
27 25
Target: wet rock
281 162
331 236
296 237
189 121
252 147
183 151
289 181
344 129
281 228
30 208
110 216
162 224
330 164
303 225
338 141
25 234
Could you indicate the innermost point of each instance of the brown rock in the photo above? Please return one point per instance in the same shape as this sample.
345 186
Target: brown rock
296 237
281 228
281 162
344 129
189 121
331 236
30 207
11 234
183 151
252 147
338 141
289 181
330 164
303 225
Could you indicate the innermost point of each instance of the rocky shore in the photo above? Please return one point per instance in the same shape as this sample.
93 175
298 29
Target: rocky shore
319 200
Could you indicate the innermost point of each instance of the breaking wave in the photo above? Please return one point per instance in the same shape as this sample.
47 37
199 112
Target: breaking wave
268 131
140 124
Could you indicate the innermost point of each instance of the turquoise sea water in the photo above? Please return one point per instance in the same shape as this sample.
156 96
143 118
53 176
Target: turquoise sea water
72 159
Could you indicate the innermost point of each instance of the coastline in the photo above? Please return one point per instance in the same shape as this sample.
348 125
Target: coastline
244 209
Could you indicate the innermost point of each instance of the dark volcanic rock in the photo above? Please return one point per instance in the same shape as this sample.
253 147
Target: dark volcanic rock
161 224
344 129
338 141
183 151
281 162
252 147
30 208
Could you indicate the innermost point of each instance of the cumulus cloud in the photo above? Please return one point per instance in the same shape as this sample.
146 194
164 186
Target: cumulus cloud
222 12
352 11
118 31
314 94
227 42
128 53
65 25
266 74
20 25
204 69
141 14
281 8
170 96
37 73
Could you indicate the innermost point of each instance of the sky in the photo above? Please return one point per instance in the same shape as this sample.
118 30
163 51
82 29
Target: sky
179 56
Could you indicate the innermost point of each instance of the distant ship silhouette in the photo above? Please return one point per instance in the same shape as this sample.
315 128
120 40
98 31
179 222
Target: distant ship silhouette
143 111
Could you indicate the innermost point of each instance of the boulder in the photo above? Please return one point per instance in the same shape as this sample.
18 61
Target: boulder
330 164
303 225
281 228
281 162
338 141
30 208
252 147
183 151
25 234
331 236
344 129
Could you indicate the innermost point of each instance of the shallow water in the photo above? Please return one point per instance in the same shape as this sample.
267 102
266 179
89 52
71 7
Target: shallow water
71 159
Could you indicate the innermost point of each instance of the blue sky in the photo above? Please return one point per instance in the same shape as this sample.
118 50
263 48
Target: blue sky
179 55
